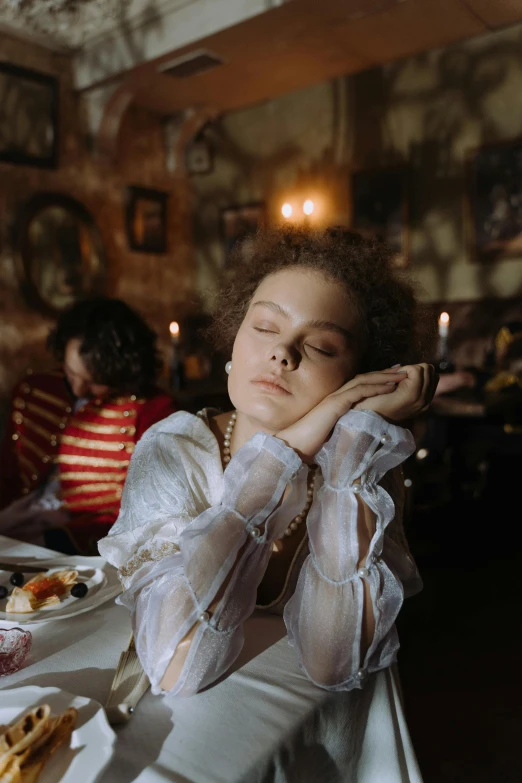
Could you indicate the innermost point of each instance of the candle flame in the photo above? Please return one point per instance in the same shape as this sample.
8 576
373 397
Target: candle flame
174 328
308 207
287 210
444 318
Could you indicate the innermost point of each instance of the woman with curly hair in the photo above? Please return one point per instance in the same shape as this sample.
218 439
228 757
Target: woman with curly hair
72 431
281 503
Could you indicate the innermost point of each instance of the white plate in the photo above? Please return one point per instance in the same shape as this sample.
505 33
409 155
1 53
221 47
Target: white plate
100 577
91 745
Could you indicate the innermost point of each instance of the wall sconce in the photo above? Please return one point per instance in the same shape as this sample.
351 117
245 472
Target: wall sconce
287 210
308 207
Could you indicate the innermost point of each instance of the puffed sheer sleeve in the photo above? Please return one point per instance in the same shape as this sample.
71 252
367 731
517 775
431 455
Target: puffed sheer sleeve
353 565
210 581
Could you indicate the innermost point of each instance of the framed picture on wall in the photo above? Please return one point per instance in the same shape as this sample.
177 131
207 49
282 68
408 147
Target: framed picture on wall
380 207
240 222
28 117
146 218
495 201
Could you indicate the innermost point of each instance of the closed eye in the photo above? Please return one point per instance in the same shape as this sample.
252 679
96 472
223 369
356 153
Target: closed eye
265 331
319 350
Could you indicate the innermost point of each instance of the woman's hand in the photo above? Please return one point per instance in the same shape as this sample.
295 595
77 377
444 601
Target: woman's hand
410 397
307 435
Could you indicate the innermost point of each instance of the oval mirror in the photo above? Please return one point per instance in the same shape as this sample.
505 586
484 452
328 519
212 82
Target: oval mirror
60 251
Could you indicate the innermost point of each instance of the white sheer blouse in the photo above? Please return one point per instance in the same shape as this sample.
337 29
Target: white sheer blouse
192 544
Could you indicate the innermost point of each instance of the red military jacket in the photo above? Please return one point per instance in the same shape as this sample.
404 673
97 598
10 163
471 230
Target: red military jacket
89 449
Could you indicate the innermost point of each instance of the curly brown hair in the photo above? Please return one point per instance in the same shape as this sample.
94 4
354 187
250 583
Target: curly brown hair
117 346
388 310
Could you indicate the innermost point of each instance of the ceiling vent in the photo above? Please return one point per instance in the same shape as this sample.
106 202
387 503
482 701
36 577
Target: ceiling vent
191 64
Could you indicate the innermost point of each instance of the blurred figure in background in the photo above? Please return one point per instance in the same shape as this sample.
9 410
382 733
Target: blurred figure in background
71 431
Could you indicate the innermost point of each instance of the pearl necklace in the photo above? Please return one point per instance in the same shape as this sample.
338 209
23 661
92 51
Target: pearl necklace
294 524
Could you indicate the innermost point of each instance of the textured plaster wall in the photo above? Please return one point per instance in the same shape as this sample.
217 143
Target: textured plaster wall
427 113
161 287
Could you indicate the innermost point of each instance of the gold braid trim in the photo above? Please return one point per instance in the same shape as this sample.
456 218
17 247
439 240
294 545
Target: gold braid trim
92 501
96 445
35 449
94 462
45 414
149 555
103 429
50 398
50 436
86 488
26 462
107 413
86 475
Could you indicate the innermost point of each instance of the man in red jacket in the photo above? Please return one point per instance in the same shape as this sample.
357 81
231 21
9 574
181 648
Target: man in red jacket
71 432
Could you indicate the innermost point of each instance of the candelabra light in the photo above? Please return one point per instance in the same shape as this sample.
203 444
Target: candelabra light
298 214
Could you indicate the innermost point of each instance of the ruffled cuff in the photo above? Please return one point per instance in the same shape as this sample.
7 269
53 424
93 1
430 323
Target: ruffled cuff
363 447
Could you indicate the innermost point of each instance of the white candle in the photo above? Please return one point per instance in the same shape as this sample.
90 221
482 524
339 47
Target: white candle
444 322
174 367
174 332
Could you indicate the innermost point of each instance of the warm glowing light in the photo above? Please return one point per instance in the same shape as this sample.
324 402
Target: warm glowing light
422 453
308 207
287 210
174 329
444 321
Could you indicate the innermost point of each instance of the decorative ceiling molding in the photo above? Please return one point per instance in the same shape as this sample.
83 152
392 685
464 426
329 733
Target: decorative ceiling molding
67 23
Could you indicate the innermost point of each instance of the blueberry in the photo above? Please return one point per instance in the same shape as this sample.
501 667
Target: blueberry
17 579
79 590
3 592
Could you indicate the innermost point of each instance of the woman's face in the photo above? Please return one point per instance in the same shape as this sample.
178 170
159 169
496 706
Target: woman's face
298 343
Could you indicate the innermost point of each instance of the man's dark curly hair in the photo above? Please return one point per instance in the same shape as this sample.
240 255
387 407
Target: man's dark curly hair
117 346
389 313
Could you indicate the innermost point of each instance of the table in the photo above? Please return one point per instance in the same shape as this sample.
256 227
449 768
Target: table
265 723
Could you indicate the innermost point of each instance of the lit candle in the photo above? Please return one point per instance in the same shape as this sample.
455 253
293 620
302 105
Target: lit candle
287 211
174 331
444 321
175 362
308 207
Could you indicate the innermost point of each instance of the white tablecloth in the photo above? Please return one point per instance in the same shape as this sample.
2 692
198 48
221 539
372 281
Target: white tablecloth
265 723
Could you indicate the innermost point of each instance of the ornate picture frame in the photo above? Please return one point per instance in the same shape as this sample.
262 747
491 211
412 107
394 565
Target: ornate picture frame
238 222
59 252
29 109
494 202
146 220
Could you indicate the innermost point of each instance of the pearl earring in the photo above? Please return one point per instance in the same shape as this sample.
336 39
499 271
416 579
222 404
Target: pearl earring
228 367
